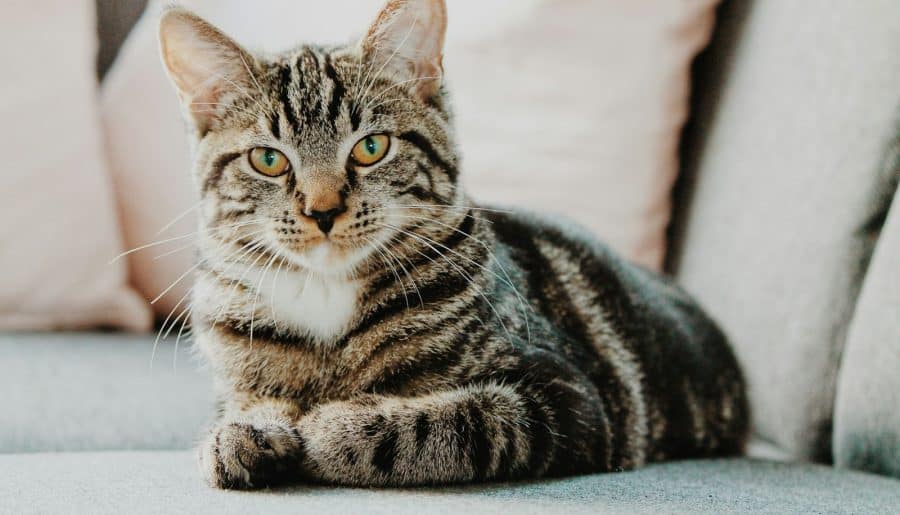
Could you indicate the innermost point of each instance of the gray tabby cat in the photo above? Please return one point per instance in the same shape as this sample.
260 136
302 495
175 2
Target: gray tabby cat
368 324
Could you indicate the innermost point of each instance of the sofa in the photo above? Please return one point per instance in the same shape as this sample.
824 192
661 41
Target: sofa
786 226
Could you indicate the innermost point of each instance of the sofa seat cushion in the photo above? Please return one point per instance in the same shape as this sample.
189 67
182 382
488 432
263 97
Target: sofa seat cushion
168 482
93 391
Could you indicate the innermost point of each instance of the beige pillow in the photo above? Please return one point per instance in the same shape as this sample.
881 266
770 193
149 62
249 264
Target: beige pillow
58 228
571 106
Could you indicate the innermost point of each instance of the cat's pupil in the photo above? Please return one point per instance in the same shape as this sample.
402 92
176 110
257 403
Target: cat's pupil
270 158
371 145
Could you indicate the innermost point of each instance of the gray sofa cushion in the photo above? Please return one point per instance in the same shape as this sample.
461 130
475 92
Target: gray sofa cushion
784 176
163 483
97 392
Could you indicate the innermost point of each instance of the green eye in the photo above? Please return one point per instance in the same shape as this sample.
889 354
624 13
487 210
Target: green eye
371 149
269 161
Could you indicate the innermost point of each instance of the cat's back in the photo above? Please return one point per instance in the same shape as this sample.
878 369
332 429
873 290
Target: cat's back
563 260
649 335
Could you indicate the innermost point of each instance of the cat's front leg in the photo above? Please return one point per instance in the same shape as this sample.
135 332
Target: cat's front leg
481 432
255 447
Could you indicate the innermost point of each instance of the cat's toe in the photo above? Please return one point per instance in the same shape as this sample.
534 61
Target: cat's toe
241 456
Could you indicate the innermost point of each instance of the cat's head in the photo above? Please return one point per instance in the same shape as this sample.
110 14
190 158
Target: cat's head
319 155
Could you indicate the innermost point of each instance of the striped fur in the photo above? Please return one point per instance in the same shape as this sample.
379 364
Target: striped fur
425 339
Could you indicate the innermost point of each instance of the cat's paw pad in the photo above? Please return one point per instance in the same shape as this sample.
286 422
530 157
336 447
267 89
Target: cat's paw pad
242 456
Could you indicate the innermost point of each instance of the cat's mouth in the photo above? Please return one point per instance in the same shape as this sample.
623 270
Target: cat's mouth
327 257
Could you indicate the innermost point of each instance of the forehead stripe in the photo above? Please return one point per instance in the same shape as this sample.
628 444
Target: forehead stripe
275 125
287 78
337 92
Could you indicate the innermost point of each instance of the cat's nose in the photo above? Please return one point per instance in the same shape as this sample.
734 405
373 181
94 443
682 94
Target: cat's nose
325 219
322 201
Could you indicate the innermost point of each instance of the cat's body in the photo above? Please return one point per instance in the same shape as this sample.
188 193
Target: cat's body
369 325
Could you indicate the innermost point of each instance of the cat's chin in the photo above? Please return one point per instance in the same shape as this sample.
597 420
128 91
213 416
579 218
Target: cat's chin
327 258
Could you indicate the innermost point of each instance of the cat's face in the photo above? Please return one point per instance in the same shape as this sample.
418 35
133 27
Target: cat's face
321 155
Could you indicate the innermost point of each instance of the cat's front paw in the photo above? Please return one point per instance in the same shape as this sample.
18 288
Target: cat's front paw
240 456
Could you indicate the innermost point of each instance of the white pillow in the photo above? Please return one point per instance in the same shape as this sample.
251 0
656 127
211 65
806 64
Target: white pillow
573 107
58 228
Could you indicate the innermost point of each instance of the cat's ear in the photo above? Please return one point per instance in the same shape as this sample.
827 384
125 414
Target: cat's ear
406 42
207 67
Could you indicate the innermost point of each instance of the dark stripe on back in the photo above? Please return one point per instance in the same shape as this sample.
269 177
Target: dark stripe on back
422 143
555 303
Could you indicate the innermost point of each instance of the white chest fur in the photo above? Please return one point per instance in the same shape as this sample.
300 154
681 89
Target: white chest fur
317 305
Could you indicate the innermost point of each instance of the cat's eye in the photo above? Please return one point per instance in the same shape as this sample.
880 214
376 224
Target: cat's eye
269 161
371 149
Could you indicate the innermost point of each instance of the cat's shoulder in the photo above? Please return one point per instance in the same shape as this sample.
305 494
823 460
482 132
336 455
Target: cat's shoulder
516 223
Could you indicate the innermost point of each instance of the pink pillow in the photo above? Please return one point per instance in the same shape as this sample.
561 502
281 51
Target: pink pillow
573 107
58 229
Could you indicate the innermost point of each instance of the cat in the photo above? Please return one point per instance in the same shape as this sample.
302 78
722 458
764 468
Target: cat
368 324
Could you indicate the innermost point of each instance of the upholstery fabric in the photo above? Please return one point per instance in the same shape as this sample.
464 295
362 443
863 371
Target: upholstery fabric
571 107
168 482
58 227
782 184
867 409
95 392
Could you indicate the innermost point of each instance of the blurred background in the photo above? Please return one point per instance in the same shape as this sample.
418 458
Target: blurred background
749 148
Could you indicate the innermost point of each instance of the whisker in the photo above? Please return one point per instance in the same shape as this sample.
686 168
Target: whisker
175 251
252 76
178 339
159 335
405 271
274 289
181 278
449 208
461 272
182 237
262 278
391 58
179 218
384 91
240 280
227 108
216 76
507 280
390 265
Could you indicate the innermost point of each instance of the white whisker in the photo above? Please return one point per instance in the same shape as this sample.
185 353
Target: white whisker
506 279
179 218
182 237
459 270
